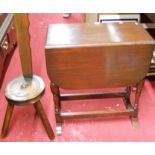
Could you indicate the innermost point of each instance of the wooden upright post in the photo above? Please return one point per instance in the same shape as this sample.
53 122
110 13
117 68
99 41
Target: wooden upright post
23 38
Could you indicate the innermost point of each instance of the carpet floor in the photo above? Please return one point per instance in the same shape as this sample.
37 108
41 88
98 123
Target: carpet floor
26 126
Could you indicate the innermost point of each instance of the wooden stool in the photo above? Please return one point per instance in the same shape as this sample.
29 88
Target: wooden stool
25 91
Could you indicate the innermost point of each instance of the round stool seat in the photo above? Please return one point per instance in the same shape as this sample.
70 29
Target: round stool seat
25 90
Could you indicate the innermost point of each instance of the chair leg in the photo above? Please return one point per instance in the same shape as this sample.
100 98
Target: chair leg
134 116
57 103
40 111
7 119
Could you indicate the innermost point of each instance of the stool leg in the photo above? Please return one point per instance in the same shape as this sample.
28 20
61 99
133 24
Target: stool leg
7 119
57 104
40 111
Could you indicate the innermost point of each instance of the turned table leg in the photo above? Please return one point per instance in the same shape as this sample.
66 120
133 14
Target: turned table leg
134 116
57 103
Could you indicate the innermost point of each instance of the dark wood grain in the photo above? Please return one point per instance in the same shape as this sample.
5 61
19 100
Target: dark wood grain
7 43
7 119
29 86
56 97
103 66
87 34
89 56
23 39
93 52
148 25
40 111
94 114
134 116
126 98
82 96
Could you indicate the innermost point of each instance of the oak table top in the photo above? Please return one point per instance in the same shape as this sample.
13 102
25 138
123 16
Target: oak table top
74 35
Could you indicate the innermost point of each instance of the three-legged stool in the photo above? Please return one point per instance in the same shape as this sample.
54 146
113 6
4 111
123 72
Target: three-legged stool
25 91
